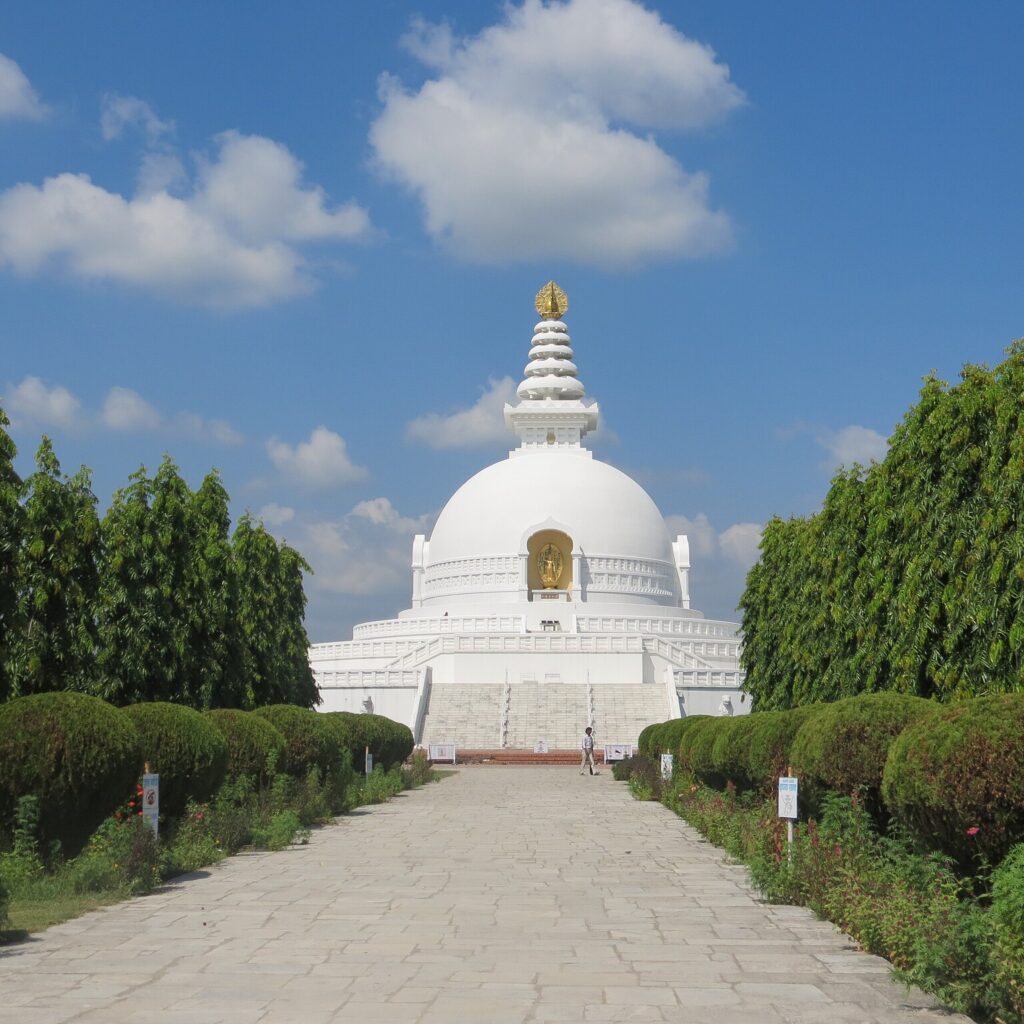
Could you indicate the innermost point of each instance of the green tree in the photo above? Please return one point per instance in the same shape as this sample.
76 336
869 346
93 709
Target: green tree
271 604
144 614
213 644
57 580
911 578
11 517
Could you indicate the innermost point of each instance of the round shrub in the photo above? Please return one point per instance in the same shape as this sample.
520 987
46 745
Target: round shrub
1007 922
254 745
702 751
956 778
690 729
78 755
843 746
390 742
644 743
311 741
769 740
730 756
184 748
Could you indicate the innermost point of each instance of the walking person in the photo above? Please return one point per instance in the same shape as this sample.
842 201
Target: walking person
587 749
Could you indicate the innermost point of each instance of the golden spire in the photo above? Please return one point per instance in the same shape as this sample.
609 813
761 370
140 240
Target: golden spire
551 302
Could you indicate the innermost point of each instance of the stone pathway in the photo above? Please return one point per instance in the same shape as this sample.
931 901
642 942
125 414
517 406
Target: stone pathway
499 896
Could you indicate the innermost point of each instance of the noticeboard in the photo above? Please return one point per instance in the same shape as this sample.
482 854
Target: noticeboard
151 801
788 797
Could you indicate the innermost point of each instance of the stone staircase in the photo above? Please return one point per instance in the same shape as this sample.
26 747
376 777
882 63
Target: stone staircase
623 711
554 712
466 714
492 716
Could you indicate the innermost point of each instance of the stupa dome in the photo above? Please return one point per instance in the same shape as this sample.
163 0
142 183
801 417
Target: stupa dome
612 523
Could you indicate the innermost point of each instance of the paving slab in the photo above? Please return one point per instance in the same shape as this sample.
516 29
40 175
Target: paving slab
504 894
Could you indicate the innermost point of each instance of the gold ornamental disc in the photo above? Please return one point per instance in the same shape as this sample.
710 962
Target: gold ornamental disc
552 303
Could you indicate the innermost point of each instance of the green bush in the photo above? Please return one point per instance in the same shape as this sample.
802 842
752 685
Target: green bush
730 755
78 755
1007 920
255 746
645 744
184 748
311 740
390 742
703 762
771 737
842 747
690 729
956 778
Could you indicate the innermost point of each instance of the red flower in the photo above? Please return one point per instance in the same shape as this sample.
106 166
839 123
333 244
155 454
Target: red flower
973 830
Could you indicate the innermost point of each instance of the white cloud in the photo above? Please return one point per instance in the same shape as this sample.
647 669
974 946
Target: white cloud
515 148
17 97
231 241
852 444
741 543
125 409
120 112
276 515
481 425
322 461
367 551
737 543
192 425
33 401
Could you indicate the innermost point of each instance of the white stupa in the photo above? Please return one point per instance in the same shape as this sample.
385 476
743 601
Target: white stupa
549 596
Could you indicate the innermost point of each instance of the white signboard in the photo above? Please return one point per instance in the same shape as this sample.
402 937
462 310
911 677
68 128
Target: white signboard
151 802
540 747
441 752
788 798
369 762
666 766
617 751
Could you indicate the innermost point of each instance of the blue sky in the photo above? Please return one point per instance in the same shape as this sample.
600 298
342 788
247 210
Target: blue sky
293 244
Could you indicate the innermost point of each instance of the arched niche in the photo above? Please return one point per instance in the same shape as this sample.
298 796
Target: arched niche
535 545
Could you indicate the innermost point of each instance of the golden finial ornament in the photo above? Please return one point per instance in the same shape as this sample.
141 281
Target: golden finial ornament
552 303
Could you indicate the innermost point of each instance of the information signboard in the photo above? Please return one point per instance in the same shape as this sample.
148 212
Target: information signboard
540 747
369 762
666 766
151 801
441 752
617 751
788 797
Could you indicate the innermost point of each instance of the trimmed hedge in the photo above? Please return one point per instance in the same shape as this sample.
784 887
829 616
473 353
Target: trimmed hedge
254 745
843 747
705 741
185 748
311 741
770 739
962 769
79 755
730 756
689 733
390 742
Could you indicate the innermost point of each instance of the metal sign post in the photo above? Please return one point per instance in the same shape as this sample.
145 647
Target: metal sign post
368 762
788 807
666 766
151 802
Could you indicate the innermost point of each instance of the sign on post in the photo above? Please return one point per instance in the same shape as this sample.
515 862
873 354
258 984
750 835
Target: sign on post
666 766
441 752
788 797
151 802
540 747
369 762
617 751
